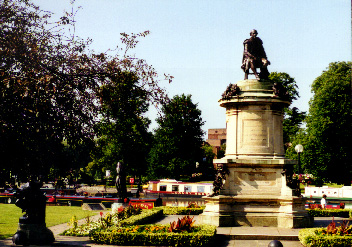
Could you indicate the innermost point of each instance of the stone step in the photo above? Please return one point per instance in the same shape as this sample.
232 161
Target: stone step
258 233
245 233
256 243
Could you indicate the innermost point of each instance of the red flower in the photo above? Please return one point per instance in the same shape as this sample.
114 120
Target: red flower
101 214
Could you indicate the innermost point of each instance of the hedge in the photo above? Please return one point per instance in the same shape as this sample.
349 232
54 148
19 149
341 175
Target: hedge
345 213
309 238
181 210
204 235
145 217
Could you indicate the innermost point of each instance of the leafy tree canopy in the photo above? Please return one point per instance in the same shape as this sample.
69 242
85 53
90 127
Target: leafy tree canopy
287 82
328 151
293 117
49 84
123 131
178 139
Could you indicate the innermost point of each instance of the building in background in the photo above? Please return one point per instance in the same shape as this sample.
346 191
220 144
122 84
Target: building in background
216 138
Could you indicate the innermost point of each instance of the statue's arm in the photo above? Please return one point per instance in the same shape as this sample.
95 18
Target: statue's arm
246 53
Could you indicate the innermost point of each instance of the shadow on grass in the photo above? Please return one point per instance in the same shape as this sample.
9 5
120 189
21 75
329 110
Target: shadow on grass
5 236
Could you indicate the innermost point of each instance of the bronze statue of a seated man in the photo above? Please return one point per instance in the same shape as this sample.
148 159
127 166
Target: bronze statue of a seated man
254 57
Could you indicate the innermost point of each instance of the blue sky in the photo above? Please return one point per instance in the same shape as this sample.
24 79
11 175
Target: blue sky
200 42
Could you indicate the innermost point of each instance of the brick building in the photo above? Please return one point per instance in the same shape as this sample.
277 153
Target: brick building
216 138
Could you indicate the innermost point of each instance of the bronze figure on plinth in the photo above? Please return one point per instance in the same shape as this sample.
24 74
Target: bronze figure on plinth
120 182
32 229
254 57
32 201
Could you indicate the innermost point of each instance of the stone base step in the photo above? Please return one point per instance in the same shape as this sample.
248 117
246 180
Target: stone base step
258 233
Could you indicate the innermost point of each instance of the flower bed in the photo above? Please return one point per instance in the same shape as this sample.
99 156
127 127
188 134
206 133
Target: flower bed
304 178
129 227
332 236
123 218
202 235
309 238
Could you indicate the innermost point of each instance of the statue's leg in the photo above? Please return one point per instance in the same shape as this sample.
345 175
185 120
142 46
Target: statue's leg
255 71
246 74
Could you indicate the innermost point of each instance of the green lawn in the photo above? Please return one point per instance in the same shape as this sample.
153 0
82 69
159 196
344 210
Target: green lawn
54 215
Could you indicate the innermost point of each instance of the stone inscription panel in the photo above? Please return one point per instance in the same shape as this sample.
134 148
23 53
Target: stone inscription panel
255 133
255 178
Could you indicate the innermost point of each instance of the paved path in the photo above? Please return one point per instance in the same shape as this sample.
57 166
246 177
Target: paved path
227 236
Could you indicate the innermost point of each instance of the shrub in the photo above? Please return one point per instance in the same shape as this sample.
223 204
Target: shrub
144 217
182 210
147 215
330 213
199 236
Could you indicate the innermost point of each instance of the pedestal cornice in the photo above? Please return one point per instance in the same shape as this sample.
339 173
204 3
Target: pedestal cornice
254 91
255 162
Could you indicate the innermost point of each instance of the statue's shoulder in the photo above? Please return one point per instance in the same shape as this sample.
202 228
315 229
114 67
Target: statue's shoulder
259 40
246 41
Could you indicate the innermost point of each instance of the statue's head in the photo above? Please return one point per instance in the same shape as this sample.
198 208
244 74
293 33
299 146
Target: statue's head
253 33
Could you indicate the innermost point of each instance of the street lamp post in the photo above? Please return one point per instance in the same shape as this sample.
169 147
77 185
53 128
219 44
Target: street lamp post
299 150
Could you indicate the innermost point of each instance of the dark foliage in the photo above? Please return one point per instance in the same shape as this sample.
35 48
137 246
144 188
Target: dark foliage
49 85
178 139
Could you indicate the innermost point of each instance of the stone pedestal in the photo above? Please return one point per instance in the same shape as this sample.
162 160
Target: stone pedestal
33 234
255 192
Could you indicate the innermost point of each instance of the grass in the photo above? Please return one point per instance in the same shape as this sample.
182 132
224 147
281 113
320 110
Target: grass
55 215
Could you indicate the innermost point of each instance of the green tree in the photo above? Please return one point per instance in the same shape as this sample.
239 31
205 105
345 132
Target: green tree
287 82
293 117
292 124
327 152
73 160
41 100
298 138
178 139
221 151
49 85
123 132
207 166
